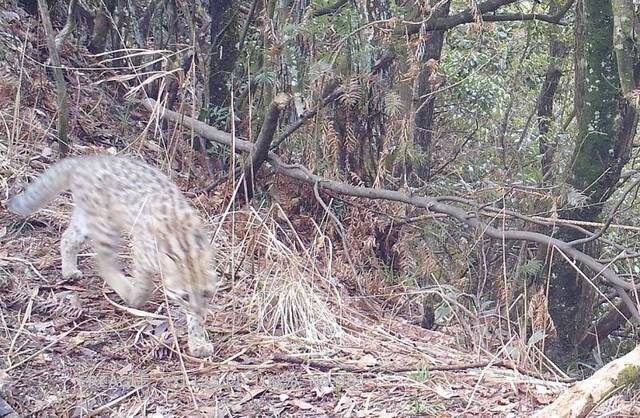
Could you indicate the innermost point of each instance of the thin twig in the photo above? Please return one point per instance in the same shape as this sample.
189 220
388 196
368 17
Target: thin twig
43 349
114 402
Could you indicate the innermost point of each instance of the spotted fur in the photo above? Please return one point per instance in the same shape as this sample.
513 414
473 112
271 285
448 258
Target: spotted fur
117 197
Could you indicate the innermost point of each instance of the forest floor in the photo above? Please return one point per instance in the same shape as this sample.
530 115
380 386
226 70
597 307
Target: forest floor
293 337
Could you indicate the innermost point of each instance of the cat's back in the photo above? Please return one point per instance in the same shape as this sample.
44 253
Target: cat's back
120 184
121 173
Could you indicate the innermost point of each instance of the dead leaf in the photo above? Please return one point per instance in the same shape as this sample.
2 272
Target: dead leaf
69 298
46 152
543 395
79 339
161 326
301 404
444 393
212 411
126 369
366 361
251 394
306 406
283 397
40 326
322 391
345 403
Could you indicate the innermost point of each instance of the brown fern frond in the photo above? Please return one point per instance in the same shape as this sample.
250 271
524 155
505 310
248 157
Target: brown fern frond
353 92
331 138
351 140
538 314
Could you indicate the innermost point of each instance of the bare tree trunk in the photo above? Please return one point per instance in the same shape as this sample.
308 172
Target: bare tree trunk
222 59
260 151
544 104
425 86
606 127
101 26
61 90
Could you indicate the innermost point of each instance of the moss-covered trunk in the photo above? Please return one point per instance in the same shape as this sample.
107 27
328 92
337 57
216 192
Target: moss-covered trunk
605 130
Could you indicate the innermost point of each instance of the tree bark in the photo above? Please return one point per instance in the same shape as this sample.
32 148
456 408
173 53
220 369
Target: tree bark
222 59
423 98
580 399
61 89
606 127
101 26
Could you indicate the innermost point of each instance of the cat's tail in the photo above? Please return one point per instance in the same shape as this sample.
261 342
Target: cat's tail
47 187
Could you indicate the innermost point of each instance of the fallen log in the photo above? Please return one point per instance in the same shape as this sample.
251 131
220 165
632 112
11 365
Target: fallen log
581 398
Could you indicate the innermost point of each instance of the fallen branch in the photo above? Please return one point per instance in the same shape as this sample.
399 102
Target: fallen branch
326 366
433 204
114 402
580 399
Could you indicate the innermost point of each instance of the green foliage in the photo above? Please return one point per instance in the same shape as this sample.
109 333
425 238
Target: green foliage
421 375
266 78
393 105
532 267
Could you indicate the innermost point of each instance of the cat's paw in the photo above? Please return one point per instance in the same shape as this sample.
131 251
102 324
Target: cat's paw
201 349
138 295
72 274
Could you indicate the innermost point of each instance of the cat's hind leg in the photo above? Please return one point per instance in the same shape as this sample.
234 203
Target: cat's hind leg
70 243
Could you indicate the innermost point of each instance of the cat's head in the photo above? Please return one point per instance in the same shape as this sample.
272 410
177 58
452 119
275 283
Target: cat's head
188 271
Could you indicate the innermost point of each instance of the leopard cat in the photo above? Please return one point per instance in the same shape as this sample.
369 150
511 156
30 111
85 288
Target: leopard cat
118 197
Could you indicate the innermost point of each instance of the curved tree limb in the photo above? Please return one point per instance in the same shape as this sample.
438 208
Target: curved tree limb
485 9
433 204
609 219
330 9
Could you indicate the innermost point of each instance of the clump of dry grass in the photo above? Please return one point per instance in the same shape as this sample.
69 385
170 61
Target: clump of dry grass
288 301
284 291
